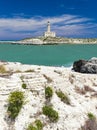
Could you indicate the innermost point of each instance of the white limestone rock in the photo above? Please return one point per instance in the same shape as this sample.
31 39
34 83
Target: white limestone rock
83 99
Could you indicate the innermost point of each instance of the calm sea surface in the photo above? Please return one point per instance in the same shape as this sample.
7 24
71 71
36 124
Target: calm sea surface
54 55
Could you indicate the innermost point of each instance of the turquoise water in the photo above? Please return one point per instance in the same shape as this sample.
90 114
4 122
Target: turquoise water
54 55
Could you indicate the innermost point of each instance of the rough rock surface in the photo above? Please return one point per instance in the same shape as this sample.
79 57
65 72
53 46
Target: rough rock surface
80 88
83 66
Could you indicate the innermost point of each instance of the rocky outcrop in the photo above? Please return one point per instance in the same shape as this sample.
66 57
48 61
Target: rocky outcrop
34 41
84 66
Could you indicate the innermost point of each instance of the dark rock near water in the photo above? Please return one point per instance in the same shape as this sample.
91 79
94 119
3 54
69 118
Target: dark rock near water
84 66
77 66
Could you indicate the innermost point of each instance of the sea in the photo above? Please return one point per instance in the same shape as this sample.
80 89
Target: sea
49 55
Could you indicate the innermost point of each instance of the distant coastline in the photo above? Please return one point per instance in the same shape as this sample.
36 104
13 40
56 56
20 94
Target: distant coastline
51 41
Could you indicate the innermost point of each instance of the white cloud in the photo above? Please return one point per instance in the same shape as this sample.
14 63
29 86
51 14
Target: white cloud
65 25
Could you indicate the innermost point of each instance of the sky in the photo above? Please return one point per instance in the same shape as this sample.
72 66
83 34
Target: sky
28 18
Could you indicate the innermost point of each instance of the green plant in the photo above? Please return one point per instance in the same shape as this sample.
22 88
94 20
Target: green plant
48 92
64 98
17 71
91 116
30 70
15 103
2 69
39 125
51 113
31 127
24 86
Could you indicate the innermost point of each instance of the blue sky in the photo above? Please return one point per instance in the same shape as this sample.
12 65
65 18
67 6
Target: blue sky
28 18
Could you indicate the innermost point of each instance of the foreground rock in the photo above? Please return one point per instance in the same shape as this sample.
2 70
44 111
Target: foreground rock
83 66
80 88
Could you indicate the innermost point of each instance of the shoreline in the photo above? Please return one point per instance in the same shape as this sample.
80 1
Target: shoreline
15 43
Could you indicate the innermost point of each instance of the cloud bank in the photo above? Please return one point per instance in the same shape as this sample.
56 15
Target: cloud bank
65 25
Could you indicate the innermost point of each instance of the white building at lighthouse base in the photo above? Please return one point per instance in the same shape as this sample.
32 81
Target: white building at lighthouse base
49 34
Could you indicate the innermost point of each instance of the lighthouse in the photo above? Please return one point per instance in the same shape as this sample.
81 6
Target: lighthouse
48 33
48 27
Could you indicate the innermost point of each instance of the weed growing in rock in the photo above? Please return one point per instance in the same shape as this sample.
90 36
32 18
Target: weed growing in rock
37 125
2 69
91 116
64 98
24 86
51 113
15 103
48 92
30 70
17 71
31 127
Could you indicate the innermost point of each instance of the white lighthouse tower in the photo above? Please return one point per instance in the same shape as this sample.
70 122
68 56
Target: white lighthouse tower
48 27
49 33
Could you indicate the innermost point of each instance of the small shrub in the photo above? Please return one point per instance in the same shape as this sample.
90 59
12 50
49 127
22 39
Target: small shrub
30 70
91 116
64 98
39 125
2 69
24 86
31 127
15 103
17 71
48 92
51 113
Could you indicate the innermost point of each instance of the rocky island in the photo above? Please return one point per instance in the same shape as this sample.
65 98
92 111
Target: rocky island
56 40
50 37
36 97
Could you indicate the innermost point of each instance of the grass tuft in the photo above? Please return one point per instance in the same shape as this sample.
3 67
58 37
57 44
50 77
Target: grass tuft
24 86
2 69
91 116
15 103
48 92
51 113
64 98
